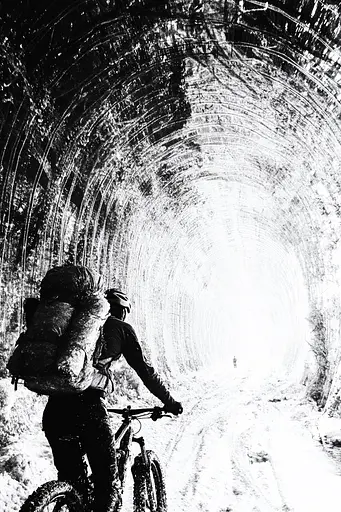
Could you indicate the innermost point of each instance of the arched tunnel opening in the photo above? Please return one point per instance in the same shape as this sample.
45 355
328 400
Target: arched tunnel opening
189 152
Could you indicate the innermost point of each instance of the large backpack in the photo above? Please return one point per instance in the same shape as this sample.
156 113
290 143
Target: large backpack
56 353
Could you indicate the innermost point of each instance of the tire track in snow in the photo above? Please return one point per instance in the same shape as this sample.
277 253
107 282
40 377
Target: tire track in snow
194 457
251 462
210 421
199 451
185 454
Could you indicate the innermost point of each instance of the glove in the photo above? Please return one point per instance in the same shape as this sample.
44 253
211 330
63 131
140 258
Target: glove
173 407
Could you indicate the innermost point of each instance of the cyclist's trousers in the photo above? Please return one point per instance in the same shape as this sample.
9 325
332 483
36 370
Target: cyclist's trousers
76 425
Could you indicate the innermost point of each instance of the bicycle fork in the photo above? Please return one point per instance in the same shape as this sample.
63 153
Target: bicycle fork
145 469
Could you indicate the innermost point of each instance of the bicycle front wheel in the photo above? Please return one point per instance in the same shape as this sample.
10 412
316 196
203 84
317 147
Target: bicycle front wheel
54 496
149 486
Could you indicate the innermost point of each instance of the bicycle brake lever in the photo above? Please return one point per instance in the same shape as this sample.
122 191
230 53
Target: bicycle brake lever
156 414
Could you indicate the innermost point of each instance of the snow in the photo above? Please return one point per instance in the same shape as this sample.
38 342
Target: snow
243 444
233 268
26 464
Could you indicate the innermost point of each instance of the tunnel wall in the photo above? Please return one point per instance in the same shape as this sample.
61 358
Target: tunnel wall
110 116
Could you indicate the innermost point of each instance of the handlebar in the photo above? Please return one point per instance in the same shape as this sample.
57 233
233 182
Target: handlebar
147 412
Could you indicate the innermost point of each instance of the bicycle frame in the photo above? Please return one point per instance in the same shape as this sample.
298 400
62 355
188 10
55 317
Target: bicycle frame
124 437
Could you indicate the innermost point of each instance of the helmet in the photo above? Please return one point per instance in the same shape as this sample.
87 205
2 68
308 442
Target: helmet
114 296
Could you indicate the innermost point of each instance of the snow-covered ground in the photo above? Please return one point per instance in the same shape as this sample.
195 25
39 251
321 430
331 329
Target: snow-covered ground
242 445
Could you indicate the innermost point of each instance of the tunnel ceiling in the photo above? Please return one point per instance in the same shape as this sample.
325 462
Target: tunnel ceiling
160 140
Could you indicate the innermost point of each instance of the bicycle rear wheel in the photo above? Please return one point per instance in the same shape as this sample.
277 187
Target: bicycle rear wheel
149 486
54 496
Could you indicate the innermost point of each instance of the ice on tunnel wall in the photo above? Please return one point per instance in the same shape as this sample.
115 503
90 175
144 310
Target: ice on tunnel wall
204 179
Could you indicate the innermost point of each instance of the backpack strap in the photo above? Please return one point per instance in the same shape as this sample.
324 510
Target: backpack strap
99 348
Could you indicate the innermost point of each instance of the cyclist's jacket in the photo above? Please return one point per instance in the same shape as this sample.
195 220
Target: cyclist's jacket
119 338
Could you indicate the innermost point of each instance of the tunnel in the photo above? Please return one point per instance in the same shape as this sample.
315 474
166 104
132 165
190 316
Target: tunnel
188 151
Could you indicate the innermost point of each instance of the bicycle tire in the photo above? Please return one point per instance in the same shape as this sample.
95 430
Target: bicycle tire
142 500
54 496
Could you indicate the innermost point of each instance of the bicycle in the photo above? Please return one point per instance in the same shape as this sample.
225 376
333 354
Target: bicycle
149 494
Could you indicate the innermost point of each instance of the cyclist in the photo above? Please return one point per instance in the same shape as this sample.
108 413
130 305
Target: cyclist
79 424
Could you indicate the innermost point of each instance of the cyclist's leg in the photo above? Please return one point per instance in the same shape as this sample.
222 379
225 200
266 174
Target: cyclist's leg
68 458
98 442
60 427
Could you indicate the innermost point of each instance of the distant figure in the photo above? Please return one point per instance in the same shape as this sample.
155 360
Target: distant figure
235 361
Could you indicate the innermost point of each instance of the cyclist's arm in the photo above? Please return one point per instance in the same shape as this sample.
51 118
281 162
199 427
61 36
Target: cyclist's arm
132 352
